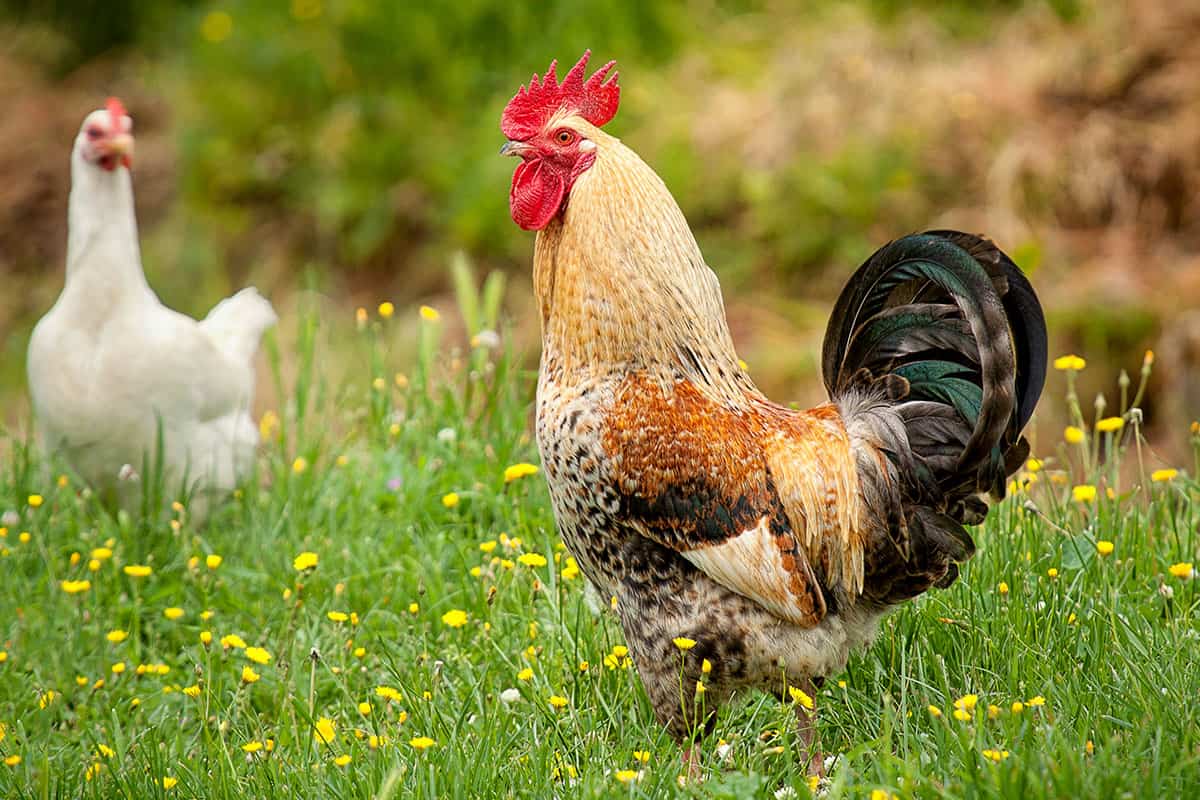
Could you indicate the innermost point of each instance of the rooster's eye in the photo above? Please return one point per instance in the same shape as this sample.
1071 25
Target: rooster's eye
94 132
564 137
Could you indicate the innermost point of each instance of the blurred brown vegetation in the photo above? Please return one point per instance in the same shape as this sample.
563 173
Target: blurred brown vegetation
796 143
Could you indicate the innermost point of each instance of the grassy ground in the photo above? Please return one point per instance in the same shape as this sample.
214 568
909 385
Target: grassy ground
446 637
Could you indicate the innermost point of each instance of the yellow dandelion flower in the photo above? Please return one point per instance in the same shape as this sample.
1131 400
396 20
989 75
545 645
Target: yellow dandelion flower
268 424
1089 748
1104 547
249 675
169 783
324 730
570 570
1036 700
25 537
1182 570
455 618
935 712
116 636
75 558
118 668
1084 493
46 698
206 615
137 570
705 666
995 755
1164 475
413 608
206 638
1073 435
35 500
92 771
359 652
3 656
258 655
1110 424
488 546
94 565
1072 363
1034 465
967 702
388 693
232 640
1052 572
192 691
532 559
516 471
75 587
338 616
962 715
993 711
450 499
421 742
558 701
429 314
342 760
628 775
305 560
1002 587
525 674
684 643
801 697
252 747
641 755
173 613
386 310
12 761
299 465
213 561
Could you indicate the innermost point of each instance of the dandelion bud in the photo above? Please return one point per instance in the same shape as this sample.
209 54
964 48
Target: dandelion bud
1101 404
1123 380
314 655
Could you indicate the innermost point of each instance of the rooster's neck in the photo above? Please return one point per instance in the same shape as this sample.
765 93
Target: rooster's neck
623 287
104 264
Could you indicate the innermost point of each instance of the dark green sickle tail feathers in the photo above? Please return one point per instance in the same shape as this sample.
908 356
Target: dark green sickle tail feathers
936 354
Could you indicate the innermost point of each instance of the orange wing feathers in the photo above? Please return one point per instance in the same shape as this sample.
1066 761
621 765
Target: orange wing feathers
755 497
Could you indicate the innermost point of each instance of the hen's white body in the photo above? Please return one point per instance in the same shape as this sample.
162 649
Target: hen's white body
110 366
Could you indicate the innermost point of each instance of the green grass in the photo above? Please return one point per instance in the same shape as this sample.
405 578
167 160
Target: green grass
1111 654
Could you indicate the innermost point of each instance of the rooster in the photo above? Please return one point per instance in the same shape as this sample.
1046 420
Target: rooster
114 373
747 545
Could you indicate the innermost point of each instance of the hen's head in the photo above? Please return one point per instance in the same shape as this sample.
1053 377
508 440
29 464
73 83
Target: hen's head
548 124
106 137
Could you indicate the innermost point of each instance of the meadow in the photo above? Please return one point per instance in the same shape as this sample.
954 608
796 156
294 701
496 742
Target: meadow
386 611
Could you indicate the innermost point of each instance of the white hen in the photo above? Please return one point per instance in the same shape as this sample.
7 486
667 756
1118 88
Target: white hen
110 365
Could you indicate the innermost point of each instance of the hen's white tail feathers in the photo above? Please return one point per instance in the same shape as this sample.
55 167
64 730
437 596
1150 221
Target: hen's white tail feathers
237 323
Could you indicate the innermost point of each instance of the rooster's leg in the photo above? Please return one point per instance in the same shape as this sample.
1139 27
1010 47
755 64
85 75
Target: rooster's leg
806 725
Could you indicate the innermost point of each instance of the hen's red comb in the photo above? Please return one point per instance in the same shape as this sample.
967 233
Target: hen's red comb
595 100
116 112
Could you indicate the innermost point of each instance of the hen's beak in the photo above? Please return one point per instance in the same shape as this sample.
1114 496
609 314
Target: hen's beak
121 145
511 148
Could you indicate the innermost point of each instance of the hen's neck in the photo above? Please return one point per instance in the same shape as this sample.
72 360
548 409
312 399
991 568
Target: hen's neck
104 263
623 287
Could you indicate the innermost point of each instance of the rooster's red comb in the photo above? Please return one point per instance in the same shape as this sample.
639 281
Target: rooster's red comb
595 99
116 111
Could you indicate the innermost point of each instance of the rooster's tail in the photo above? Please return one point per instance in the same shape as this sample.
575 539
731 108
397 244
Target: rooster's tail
936 356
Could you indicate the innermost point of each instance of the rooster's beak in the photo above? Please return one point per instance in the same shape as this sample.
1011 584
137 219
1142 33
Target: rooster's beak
511 148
